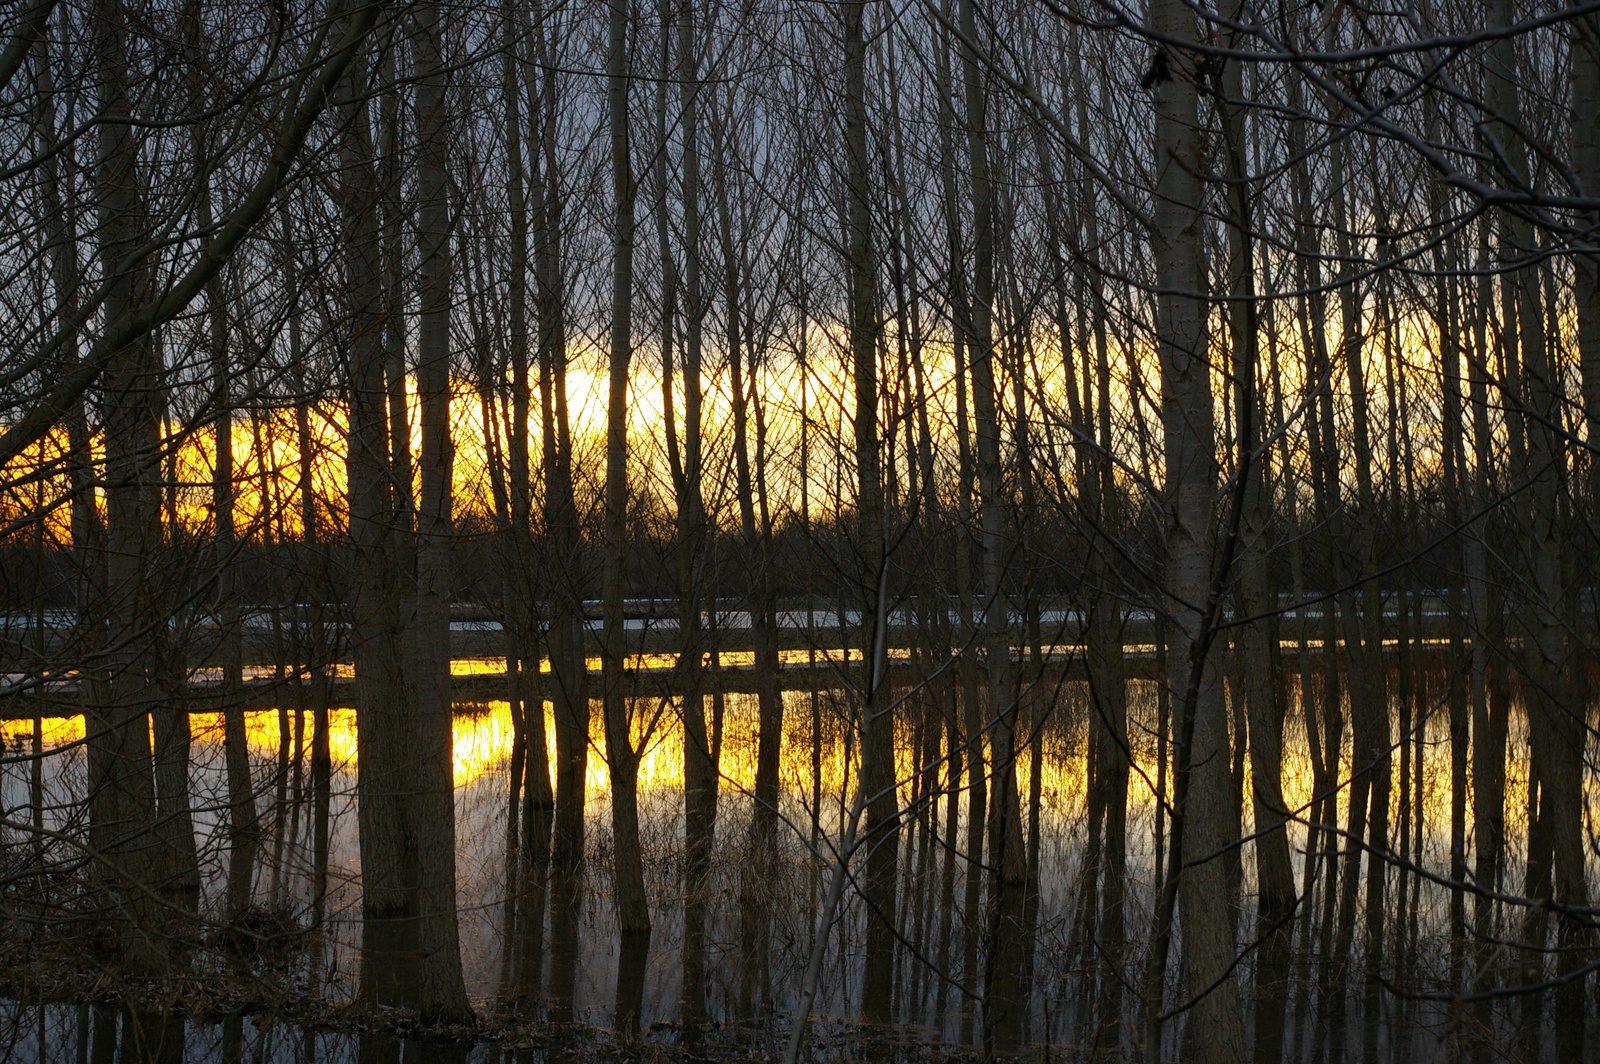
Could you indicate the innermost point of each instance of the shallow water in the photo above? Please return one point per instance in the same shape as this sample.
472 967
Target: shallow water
483 741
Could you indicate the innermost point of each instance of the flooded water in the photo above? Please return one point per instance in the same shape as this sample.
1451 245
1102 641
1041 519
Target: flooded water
817 761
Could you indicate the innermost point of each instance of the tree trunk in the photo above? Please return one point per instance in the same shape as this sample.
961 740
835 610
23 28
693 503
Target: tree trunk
1003 963
1214 1029
122 799
442 994
1585 87
1274 873
528 858
319 651
757 876
971 717
1490 699
881 839
243 824
622 759
1557 731
699 771
699 766
381 690
568 683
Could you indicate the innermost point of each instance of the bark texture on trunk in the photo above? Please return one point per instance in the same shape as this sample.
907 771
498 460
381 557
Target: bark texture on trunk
1214 1028
123 809
1557 731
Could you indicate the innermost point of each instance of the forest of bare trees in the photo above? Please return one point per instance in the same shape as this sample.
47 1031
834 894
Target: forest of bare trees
805 531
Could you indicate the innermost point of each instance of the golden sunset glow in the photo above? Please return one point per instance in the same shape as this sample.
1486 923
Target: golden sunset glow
484 736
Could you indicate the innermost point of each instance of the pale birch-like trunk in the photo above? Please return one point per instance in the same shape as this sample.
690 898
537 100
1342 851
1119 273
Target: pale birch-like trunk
1214 1028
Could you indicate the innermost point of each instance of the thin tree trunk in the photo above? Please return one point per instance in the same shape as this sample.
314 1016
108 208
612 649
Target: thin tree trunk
1557 722
877 783
699 771
1585 89
243 822
756 880
442 993
622 759
88 546
528 856
317 652
972 717
1274 874
512 503
568 683
1451 316
1003 961
381 690
1490 701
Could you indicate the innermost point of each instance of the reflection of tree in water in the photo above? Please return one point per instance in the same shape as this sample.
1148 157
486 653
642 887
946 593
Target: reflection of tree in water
576 980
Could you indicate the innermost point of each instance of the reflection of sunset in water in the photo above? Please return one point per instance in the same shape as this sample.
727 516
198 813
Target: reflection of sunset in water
484 738
54 731
483 748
